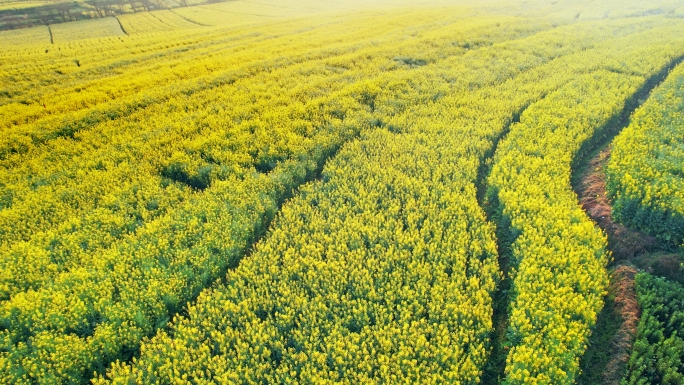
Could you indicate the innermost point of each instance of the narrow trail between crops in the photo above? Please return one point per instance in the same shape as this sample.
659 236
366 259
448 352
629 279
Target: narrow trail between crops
611 342
316 175
121 26
613 336
493 371
625 244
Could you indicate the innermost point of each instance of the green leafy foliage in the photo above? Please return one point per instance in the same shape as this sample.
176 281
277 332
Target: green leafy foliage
658 355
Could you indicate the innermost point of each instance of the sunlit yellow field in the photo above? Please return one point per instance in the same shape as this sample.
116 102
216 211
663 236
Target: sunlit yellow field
312 191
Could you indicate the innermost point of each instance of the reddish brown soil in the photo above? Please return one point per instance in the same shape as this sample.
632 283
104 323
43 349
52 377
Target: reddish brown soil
624 243
623 288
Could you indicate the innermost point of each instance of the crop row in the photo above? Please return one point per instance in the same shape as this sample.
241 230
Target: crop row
645 178
558 257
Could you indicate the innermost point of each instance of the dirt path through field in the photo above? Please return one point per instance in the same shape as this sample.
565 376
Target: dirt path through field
625 244
615 331
613 335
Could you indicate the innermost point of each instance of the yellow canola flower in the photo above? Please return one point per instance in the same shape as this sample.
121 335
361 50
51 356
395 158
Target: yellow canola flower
645 176
560 275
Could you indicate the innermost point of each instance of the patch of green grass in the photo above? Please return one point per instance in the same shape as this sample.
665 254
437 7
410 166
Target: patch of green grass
600 350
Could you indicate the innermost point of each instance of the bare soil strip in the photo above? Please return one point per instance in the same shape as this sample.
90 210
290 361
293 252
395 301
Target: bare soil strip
625 244
623 290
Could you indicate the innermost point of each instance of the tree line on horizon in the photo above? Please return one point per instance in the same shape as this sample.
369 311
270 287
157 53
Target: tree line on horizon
60 11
